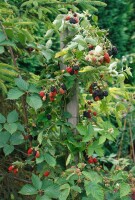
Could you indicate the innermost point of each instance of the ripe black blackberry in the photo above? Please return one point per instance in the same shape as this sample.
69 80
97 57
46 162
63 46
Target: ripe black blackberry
72 20
72 72
98 93
105 93
30 137
35 137
94 85
114 51
75 15
34 152
76 67
48 116
53 89
110 52
63 86
86 114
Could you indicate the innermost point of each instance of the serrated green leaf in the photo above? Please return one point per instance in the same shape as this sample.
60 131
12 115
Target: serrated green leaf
64 194
8 149
28 190
49 44
46 183
67 115
102 139
81 129
11 128
88 136
53 191
7 43
92 176
95 18
34 101
21 84
4 137
95 147
50 160
33 89
2 49
37 183
49 33
16 139
40 159
2 119
40 137
99 151
95 190
2 36
1 127
47 54
61 53
12 117
125 189
44 197
68 159
76 188
14 93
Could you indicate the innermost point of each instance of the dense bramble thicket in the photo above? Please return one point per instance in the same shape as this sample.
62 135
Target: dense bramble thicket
67 117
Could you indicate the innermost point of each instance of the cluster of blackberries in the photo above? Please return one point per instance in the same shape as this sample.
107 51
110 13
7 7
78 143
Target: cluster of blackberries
73 70
113 51
13 169
73 20
89 114
97 92
53 92
32 151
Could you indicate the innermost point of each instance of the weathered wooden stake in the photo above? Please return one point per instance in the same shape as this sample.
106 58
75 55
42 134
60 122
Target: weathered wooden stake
73 106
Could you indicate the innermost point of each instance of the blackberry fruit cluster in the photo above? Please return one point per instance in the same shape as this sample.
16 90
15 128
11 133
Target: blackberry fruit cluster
97 92
87 114
73 70
72 18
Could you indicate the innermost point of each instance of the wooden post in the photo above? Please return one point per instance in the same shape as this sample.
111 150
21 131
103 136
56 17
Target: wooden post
73 106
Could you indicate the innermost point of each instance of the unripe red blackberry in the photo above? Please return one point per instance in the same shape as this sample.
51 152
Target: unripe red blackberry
47 173
11 168
95 113
67 18
90 160
95 160
41 93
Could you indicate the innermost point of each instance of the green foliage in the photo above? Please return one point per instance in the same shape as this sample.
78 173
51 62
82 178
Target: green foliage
58 159
120 16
